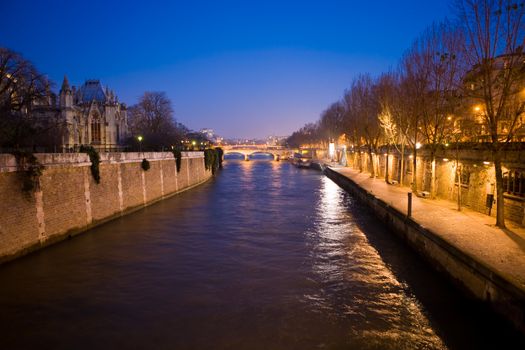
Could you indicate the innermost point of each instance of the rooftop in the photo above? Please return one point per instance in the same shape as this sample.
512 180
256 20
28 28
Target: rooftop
91 90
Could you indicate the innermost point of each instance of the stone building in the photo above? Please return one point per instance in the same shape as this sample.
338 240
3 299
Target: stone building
467 169
91 115
506 80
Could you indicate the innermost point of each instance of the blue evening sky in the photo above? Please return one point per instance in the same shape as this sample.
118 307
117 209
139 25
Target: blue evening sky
244 68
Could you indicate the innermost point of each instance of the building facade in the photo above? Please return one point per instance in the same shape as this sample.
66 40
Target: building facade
91 115
466 172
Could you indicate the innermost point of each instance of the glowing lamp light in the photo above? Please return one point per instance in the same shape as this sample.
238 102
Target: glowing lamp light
140 143
445 159
193 143
486 163
418 145
331 149
477 108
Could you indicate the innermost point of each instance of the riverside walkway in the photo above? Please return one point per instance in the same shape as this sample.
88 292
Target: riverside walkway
502 251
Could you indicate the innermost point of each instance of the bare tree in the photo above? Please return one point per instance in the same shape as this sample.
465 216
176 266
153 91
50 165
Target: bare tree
413 81
350 127
330 124
386 95
308 136
152 118
495 36
22 90
437 62
365 110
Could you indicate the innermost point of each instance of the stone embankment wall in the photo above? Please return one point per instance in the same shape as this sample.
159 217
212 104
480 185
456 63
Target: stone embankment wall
69 201
471 275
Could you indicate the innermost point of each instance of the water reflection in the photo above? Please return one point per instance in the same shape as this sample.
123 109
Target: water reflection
357 285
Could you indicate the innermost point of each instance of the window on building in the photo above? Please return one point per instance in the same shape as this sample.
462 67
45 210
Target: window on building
514 182
95 130
465 177
118 133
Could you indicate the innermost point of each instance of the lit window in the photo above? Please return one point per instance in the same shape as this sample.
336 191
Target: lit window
514 182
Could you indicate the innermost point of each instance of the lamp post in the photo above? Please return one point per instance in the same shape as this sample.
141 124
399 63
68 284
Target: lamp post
140 143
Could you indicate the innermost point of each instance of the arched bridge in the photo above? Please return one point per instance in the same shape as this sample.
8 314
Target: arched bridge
278 152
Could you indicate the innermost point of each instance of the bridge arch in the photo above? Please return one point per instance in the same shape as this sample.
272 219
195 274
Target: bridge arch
247 154
276 152
234 153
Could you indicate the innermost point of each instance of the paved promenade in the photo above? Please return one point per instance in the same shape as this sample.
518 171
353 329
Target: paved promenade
475 234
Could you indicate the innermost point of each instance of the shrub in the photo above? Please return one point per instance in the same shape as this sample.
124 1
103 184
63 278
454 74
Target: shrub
220 154
94 157
178 158
211 159
145 164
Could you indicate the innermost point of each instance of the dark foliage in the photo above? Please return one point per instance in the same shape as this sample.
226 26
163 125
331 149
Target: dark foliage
178 158
28 116
30 170
145 164
211 160
94 157
220 155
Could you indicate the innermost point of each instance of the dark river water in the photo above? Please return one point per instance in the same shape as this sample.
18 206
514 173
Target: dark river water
263 256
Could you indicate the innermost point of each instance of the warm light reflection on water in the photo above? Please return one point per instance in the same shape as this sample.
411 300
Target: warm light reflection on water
264 256
379 308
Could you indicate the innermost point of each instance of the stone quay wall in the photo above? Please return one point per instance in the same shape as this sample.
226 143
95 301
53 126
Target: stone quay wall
69 201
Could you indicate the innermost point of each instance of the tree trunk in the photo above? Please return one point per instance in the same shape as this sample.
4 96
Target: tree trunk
386 168
458 174
402 170
433 177
371 157
500 209
458 171
414 170
386 163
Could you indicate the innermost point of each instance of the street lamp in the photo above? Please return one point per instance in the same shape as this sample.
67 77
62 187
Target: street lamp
140 143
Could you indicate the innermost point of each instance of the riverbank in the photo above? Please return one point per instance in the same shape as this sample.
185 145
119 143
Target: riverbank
484 260
68 200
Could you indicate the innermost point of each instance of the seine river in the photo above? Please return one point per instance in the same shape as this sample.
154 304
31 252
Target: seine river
263 256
